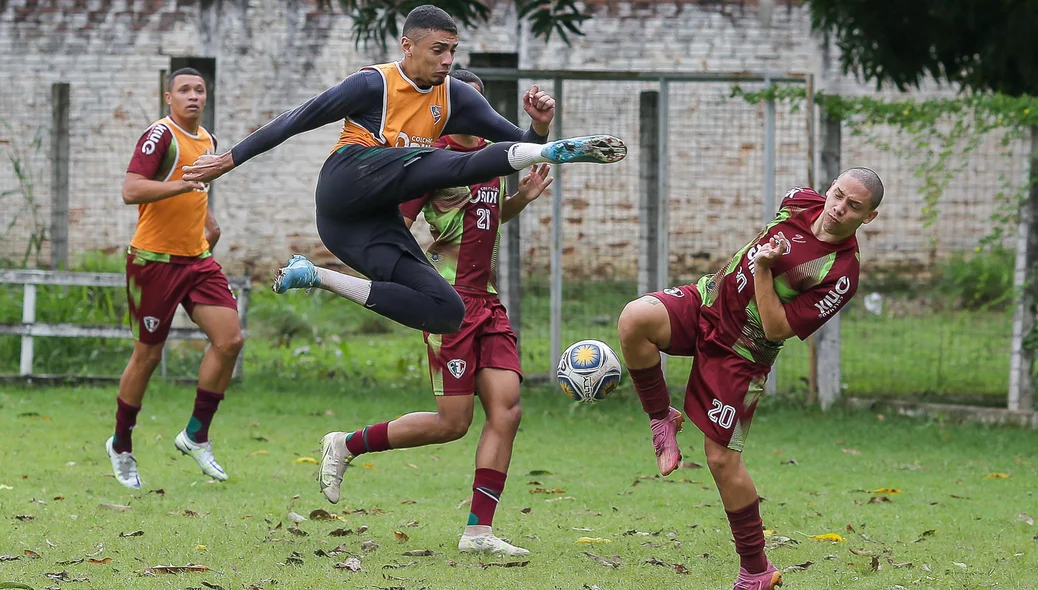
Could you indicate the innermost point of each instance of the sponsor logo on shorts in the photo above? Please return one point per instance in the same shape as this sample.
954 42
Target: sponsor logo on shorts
437 113
151 323
674 292
832 300
456 367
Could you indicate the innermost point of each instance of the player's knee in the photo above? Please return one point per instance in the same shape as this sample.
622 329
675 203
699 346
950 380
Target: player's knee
455 427
721 459
149 355
230 346
631 324
449 314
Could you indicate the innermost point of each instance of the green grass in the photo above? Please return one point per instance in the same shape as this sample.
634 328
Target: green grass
918 350
54 470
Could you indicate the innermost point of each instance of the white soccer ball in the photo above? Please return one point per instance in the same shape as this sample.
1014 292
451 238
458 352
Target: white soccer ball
589 371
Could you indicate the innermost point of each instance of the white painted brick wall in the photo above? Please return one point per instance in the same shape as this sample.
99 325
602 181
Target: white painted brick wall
272 55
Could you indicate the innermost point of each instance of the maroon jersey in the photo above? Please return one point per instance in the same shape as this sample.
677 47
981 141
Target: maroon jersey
813 280
465 224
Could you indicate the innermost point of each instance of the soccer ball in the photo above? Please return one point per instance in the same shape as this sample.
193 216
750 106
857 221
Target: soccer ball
589 371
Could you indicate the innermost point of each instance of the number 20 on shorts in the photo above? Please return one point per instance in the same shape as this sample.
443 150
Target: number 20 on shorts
722 415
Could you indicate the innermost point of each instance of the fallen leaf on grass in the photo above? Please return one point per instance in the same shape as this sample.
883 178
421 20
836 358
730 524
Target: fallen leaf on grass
296 518
591 540
188 514
340 549
656 561
412 524
132 534
31 554
362 529
776 541
891 561
297 531
790 462
1026 518
996 476
310 460
679 568
852 451
212 586
97 551
880 500
613 562
409 502
547 491
504 564
201 548
4 558
798 567
24 517
962 565
260 452
368 466
885 491
369 545
860 553
15 585
925 534
396 566
116 507
418 553
319 514
875 563
690 465
63 576
526 510
464 502
71 562
5 487
537 472
352 564
835 538
172 569
400 536
961 497
340 533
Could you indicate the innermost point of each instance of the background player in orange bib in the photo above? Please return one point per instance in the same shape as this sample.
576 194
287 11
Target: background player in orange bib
170 263
795 275
393 113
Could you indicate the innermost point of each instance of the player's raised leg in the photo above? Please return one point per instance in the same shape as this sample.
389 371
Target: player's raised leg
499 393
644 329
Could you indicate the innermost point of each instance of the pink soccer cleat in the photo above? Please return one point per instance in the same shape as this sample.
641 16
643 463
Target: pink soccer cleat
665 441
769 579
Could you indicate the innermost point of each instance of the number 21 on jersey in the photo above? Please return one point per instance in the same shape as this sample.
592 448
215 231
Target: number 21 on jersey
483 218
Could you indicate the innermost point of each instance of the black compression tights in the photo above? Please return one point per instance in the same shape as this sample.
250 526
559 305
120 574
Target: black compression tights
418 297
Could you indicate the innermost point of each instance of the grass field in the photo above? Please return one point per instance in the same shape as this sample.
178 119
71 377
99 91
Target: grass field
912 350
960 514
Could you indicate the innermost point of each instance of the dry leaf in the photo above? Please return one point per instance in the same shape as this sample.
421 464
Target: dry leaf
352 564
589 540
310 460
412 524
297 531
875 563
679 568
690 465
24 517
880 500
860 553
850 528
996 476
296 518
546 491
362 529
885 491
959 564
790 462
116 507
798 567
320 514
368 466
409 502
656 561
505 564
418 553
400 536
71 562
132 534
172 569
5 487
891 561
835 538
1026 518
201 548
852 451
396 566
412 466
260 452
464 502
613 562
104 561
961 497
340 532
369 545
526 510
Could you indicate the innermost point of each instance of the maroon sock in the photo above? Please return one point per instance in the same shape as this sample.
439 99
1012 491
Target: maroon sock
486 492
748 530
370 439
125 420
651 386
206 404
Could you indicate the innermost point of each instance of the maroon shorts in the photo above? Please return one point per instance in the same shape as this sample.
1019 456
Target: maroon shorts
154 289
484 341
723 387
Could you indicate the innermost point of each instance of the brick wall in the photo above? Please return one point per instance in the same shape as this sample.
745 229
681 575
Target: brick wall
272 55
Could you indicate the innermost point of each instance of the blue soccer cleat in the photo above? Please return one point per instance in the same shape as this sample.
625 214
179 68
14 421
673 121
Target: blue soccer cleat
602 149
299 273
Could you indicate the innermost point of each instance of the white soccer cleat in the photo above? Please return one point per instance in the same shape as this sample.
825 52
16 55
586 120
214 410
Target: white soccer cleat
335 457
202 453
124 465
489 543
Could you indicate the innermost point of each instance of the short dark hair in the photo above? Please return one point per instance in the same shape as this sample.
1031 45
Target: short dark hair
870 180
184 72
468 78
429 18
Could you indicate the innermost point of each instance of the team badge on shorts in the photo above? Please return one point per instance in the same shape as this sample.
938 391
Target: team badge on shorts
674 292
456 367
151 323
437 113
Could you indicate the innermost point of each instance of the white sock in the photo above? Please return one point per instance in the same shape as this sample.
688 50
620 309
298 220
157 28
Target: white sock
524 155
353 288
477 530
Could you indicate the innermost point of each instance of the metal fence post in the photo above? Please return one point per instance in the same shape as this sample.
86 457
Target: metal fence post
663 184
771 386
59 157
556 244
1021 362
827 338
28 319
649 195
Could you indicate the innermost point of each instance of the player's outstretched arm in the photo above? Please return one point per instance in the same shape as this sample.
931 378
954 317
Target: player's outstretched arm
471 114
138 190
338 102
531 186
772 314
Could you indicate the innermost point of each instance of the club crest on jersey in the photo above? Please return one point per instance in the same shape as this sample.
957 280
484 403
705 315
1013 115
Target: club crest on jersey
151 323
456 367
437 113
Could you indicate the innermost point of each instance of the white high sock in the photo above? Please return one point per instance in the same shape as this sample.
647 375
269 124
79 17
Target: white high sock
353 288
524 155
